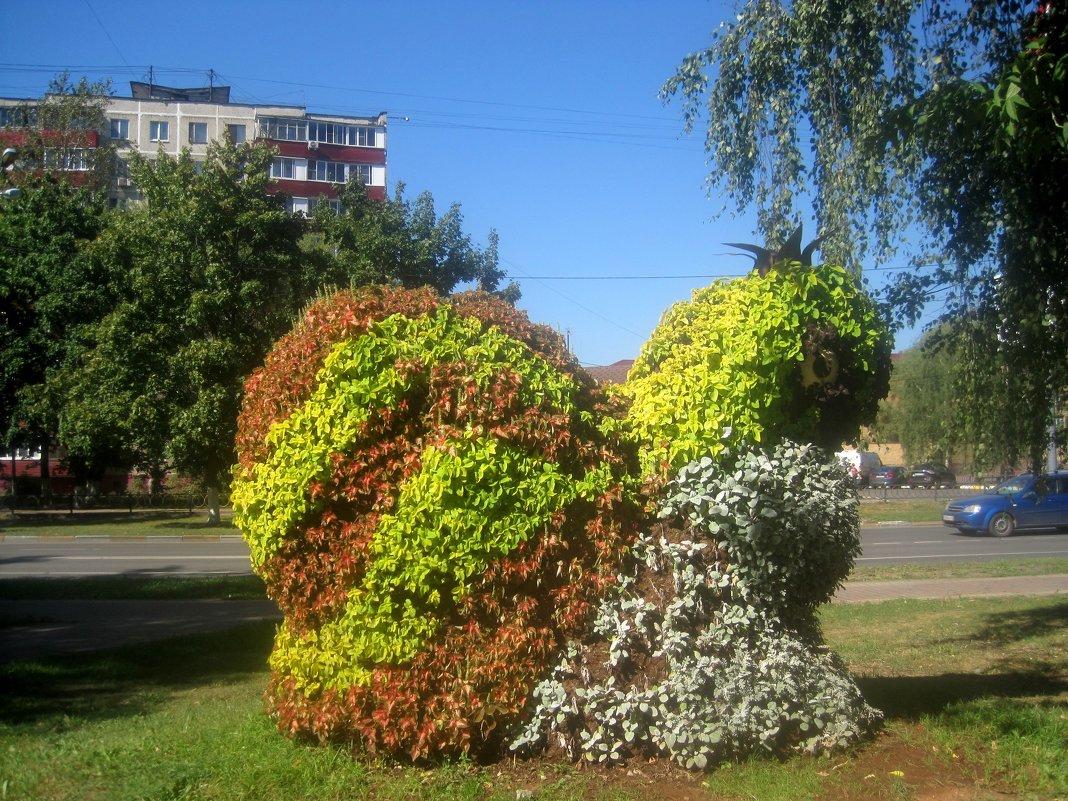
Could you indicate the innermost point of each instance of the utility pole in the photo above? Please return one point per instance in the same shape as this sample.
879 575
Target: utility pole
1051 452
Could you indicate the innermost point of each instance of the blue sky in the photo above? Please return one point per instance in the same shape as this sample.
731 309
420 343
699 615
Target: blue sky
540 118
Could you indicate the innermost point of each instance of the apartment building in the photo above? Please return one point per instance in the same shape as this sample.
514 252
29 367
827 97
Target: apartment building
315 152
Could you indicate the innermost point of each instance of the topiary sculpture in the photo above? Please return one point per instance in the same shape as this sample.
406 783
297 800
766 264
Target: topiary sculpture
435 498
789 351
708 648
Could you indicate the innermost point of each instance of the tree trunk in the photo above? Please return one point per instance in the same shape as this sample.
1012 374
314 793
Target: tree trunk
46 475
214 512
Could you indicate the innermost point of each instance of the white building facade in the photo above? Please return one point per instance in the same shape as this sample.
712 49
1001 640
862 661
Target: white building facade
315 152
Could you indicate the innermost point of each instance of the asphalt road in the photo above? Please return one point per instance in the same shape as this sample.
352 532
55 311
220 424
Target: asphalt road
175 556
921 543
100 556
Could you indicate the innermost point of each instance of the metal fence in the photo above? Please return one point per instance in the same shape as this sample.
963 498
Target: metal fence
122 501
906 494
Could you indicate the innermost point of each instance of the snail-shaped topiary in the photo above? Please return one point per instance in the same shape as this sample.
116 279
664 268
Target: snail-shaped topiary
432 493
789 351
709 649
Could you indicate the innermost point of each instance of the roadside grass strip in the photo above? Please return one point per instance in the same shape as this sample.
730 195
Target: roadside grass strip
975 692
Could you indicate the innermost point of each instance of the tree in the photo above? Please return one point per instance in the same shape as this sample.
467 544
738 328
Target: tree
920 413
998 155
398 242
50 294
64 133
887 114
212 275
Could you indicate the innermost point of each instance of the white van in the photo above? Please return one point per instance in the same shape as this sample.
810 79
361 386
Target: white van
860 464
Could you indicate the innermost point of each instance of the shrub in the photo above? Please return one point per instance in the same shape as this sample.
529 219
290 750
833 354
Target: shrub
708 647
798 353
434 495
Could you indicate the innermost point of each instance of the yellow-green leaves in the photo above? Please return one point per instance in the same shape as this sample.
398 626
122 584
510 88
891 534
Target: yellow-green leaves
725 366
473 502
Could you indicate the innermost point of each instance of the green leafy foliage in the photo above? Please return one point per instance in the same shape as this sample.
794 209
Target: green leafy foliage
892 118
206 275
51 292
395 240
709 649
429 496
799 352
992 190
920 412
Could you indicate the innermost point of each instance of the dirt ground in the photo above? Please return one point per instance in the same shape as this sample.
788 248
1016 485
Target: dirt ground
896 766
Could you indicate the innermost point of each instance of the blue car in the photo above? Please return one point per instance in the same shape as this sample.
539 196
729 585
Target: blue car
1025 501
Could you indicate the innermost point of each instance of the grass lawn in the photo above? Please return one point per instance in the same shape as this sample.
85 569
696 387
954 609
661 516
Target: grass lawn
1041 566
975 691
112 524
125 588
919 510
148 523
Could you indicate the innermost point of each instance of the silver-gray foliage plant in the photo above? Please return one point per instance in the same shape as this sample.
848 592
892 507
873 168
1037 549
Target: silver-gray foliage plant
726 616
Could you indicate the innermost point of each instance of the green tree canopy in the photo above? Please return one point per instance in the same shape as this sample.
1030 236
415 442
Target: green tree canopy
211 275
396 241
892 117
920 412
51 292
127 336
64 133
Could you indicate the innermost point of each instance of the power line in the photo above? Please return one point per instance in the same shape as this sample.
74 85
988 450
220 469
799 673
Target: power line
680 277
582 306
619 277
331 87
106 32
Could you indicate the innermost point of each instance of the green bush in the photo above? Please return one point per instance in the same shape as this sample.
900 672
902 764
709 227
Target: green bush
797 353
709 648
433 494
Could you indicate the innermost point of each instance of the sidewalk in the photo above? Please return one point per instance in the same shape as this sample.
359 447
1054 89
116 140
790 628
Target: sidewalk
860 591
30 629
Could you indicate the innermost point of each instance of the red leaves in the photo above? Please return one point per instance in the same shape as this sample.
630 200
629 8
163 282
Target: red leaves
497 640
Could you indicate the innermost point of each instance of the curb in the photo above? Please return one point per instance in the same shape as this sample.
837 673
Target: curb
113 538
936 589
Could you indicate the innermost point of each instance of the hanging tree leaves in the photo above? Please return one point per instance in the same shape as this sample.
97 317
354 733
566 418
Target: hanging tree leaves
897 119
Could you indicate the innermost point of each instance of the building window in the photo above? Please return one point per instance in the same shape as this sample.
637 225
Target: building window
120 129
18 116
361 171
237 134
198 133
286 130
76 159
333 203
334 133
338 172
335 172
283 167
159 131
298 205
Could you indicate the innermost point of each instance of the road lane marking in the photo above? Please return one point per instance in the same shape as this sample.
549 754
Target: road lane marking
958 555
78 573
144 557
